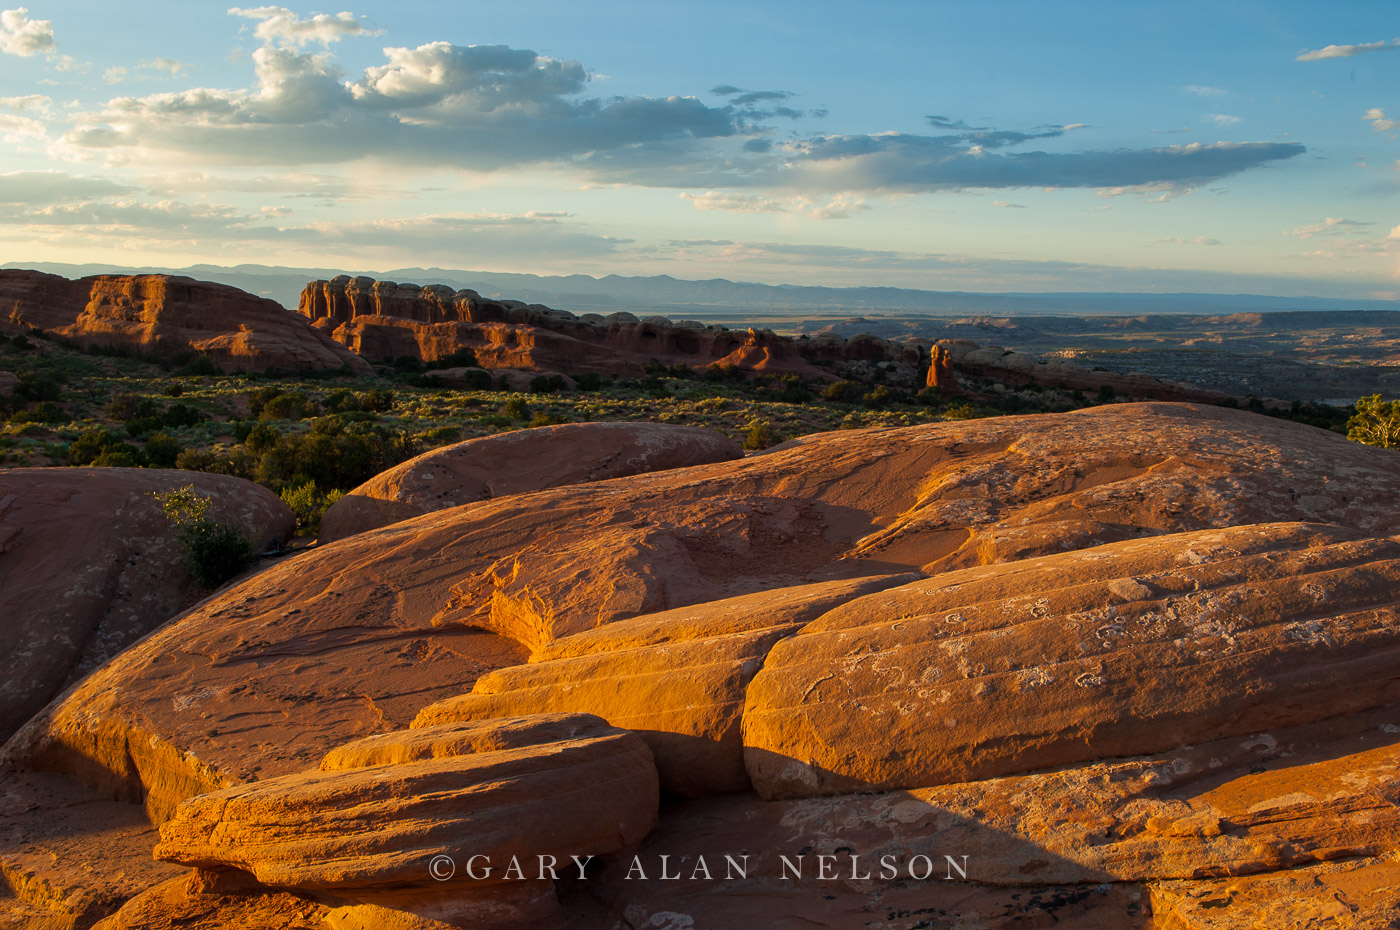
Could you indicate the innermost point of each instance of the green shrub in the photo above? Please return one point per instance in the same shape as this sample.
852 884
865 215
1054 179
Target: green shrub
293 405
759 435
309 503
215 550
1376 422
516 409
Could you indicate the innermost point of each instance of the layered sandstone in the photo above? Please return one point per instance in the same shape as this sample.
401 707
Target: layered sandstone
355 637
1125 649
382 825
517 463
89 564
168 315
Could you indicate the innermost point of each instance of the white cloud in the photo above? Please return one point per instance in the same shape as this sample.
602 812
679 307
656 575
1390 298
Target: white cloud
734 203
1378 121
1346 51
115 74
1332 225
20 35
1198 240
1394 233
838 207
30 103
1222 119
279 25
1202 90
1003 203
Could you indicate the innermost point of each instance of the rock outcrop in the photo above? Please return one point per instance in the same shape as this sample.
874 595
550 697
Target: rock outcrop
355 637
169 315
386 320
676 678
1108 666
1121 650
520 462
89 564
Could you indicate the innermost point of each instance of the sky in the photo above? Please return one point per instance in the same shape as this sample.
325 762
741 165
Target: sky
1236 147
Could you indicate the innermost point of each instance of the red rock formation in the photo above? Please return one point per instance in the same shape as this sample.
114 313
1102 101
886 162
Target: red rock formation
168 315
91 564
520 462
940 372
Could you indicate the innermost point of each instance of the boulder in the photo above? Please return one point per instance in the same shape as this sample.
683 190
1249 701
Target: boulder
217 900
384 825
517 463
91 564
168 315
1130 648
676 678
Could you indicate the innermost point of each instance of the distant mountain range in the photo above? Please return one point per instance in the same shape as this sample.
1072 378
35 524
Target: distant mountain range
718 297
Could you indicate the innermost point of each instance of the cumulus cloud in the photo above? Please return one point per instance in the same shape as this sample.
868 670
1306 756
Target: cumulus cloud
1202 90
1222 119
1346 51
1378 120
476 107
1332 225
20 35
280 26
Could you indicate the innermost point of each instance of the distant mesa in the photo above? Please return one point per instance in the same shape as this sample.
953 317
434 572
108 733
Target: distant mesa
385 320
170 316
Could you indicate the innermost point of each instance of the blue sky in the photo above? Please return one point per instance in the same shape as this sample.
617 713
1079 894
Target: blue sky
1238 147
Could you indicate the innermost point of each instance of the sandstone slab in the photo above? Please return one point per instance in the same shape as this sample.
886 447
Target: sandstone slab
89 564
384 825
1120 650
676 678
519 462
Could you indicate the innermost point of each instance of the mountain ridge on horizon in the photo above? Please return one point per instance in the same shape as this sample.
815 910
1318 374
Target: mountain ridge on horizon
586 293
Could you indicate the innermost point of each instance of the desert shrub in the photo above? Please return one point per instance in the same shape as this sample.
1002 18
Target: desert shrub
546 384
197 366
46 411
126 407
844 392
759 435
173 389
960 411
182 415
260 438
589 382
293 405
309 503
1376 422
545 419
215 550
516 409
103 448
162 450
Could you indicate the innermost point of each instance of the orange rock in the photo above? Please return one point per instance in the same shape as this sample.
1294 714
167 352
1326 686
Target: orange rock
206 900
941 376
460 739
1353 893
169 315
355 637
675 678
91 564
385 825
1130 648
519 462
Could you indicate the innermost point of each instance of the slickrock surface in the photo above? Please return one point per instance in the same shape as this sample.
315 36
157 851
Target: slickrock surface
383 825
1317 798
519 462
168 315
676 678
1124 649
89 564
69 855
203 900
355 637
